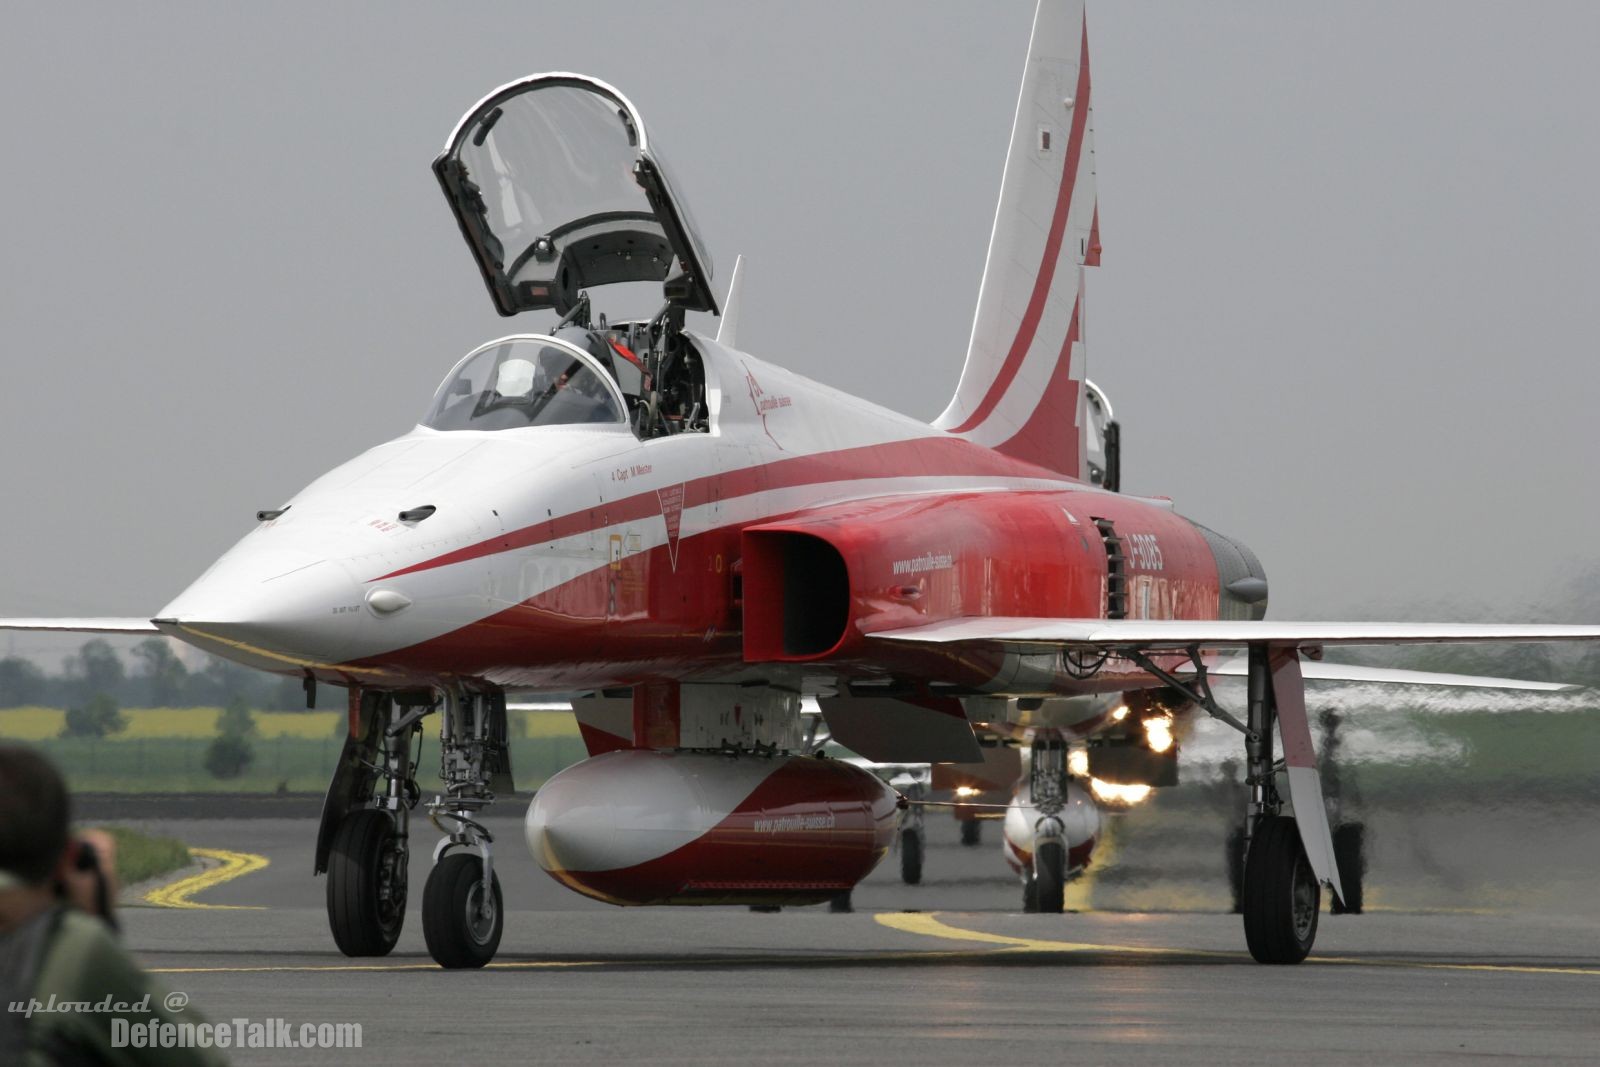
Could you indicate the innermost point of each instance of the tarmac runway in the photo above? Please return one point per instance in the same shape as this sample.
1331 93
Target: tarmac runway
944 972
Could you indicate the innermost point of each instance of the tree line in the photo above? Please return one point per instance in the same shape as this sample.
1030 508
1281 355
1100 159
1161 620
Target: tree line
153 677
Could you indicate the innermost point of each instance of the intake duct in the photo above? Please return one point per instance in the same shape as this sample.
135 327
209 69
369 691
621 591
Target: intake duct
796 596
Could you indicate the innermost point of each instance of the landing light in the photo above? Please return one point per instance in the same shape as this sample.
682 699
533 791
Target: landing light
1120 714
967 791
1078 763
1113 793
1158 733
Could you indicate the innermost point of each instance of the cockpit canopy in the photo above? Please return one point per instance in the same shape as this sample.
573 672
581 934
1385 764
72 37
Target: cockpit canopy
556 189
517 382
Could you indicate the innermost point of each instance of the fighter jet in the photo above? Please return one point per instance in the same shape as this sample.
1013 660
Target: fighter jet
700 539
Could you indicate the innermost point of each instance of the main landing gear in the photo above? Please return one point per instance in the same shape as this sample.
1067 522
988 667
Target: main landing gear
363 844
1285 860
1281 897
1280 893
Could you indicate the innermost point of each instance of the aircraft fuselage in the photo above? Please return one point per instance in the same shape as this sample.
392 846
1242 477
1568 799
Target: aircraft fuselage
565 557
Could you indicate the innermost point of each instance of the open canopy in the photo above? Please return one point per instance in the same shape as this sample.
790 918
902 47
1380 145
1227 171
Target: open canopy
556 189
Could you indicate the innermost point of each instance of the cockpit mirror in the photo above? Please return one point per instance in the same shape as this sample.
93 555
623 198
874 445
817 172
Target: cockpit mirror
556 189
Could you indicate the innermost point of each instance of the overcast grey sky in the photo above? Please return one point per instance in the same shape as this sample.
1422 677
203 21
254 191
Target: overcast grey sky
1344 313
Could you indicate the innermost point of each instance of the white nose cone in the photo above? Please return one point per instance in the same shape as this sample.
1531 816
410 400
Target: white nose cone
269 606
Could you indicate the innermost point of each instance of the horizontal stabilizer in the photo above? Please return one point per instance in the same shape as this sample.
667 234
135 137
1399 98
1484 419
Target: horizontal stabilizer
1347 672
83 626
1036 634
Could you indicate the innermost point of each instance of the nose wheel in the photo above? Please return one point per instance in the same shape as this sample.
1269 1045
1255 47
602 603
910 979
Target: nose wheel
911 856
1050 877
462 915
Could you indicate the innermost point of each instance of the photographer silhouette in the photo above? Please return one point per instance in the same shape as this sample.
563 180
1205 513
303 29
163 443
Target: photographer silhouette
57 933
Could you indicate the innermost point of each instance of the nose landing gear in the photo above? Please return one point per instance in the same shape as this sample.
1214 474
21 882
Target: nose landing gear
1047 889
463 914
462 911
912 838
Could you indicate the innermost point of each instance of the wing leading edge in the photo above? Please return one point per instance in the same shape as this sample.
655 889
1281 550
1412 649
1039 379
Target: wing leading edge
1042 634
83 626
1036 634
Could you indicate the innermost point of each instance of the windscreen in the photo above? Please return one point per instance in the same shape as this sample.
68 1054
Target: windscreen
523 382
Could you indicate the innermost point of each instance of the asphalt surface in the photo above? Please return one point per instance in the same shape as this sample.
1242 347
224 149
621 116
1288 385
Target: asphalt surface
943 972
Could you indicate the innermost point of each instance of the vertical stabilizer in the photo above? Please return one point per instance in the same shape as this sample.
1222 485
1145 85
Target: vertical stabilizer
1021 389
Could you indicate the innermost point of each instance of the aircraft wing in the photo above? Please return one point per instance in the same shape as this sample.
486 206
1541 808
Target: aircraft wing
83 626
1022 634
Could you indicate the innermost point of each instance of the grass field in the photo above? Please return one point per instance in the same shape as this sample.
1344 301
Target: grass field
141 856
164 749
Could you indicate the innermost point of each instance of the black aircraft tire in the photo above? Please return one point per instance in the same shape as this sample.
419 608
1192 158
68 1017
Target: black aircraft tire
911 857
1050 877
457 936
1030 895
971 832
840 904
366 902
1281 895
1350 855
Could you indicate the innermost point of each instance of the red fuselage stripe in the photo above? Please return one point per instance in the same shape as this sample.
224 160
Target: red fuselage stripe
1052 252
912 458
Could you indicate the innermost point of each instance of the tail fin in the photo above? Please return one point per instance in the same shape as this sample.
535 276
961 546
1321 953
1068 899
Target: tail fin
1021 389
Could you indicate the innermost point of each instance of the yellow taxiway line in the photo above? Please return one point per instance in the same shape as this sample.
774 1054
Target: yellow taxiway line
621 961
930 925
230 865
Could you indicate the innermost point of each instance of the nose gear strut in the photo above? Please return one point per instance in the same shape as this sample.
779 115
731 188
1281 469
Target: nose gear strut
462 917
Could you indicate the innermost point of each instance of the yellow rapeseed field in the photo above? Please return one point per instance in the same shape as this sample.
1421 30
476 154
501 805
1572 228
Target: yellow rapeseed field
31 724
41 724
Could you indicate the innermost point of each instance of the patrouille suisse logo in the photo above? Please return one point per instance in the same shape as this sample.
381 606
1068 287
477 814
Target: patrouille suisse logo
764 402
671 499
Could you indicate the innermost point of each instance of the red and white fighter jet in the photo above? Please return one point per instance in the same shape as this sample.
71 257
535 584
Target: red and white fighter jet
699 538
